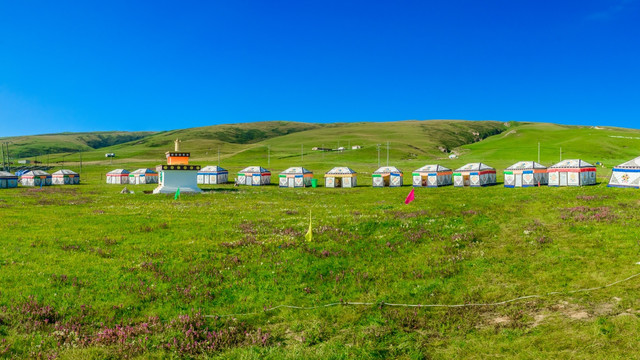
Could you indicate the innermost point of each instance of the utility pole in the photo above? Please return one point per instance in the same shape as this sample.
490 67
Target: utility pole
387 153
378 148
80 163
302 152
538 152
218 155
2 152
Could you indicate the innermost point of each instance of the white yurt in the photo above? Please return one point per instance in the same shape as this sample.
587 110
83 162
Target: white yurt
35 178
118 177
387 176
65 177
432 176
525 174
295 177
341 177
254 176
8 180
474 175
213 175
143 176
573 172
626 174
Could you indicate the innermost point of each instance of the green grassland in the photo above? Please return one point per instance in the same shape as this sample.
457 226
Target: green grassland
87 272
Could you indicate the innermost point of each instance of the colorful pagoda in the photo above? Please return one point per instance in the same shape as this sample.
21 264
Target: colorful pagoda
177 173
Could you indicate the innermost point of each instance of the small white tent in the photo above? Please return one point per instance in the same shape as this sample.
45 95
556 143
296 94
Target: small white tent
474 174
432 176
626 174
254 176
341 176
143 176
525 174
573 172
387 176
65 177
295 177
213 175
35 178
118 176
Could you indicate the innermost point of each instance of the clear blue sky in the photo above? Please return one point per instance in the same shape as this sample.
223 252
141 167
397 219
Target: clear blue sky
134 65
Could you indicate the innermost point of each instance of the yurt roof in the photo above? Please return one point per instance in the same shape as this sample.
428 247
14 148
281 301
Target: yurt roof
571 163
631 164
526 165
433 168
296 170
212 168
388 170
254 169
144 171
475 167
5 174
65 172
36 173
118 172
341 170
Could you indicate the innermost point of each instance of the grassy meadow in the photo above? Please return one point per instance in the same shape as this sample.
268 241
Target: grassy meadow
90 273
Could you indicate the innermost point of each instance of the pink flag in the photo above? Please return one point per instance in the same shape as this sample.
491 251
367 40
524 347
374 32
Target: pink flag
410 197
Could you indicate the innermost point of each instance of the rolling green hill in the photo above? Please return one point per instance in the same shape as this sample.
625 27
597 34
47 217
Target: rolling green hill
38 145
279 144
252 142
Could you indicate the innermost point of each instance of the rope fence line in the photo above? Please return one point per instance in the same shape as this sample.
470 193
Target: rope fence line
350 303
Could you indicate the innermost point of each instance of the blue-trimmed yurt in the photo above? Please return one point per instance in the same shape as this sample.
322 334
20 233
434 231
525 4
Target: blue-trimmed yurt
389 176
626 174
432 176
8 180
295 177
474 175
143 176
65 177
213 175
254 176
35 178
525 174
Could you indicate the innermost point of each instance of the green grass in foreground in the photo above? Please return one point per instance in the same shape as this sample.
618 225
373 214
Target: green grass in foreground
89 273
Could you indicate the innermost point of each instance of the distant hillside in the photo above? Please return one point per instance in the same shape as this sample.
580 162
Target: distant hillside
608 145
37 145
245 133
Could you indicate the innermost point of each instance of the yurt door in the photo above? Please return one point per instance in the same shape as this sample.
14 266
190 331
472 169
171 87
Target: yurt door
467 181
518 180
563 179
292 182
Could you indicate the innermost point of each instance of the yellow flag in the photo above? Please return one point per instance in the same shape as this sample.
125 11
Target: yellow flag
309 234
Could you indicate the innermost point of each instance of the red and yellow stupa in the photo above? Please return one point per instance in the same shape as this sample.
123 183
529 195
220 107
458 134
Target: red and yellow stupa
177 173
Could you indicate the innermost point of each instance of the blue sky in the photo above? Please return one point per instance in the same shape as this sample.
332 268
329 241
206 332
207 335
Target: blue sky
134 65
